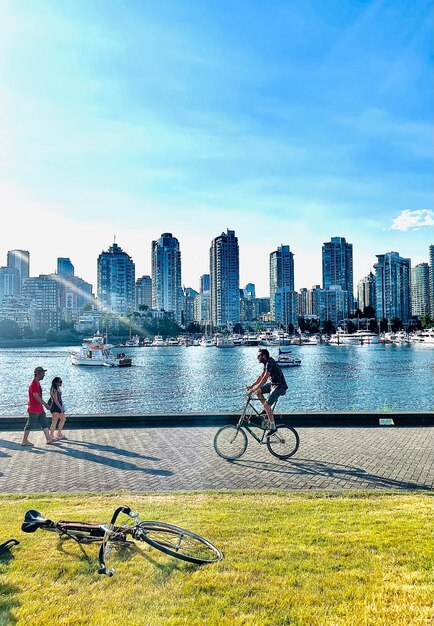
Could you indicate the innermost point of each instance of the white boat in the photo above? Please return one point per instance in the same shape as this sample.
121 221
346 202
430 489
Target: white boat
266 338
133 342
95 352
207 342
250 339
224 342
285 360
237 340
172 341
366 336
159 342
425 337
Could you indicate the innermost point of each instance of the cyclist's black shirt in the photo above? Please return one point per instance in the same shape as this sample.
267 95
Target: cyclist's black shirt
276 374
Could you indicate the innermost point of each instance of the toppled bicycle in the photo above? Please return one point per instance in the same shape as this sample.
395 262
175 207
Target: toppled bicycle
230 442
172 540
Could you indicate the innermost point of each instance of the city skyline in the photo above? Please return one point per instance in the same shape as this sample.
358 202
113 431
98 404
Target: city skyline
288 124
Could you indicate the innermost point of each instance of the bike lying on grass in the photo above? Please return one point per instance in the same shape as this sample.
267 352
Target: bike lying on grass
230 442
172 540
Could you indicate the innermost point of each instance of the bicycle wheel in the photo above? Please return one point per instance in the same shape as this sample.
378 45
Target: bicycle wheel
177 542
284 442
230 442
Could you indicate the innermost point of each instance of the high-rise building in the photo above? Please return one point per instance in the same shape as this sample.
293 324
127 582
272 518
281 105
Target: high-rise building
303 306
420 289
202 307
188 313
65 276
393 292
21 260
285 306
249 291
281 277
10 282
431 280
45 293
166 276
329 304
116 281
144 292
366 292
225 279
337 267
65 268
204 283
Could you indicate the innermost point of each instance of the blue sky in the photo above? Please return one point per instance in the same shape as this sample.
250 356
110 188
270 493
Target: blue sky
289 122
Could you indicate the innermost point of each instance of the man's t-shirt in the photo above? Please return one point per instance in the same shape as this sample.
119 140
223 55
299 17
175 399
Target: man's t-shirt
34 406
276 374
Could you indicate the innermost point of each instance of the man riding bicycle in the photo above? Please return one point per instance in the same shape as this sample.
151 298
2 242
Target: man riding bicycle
275 387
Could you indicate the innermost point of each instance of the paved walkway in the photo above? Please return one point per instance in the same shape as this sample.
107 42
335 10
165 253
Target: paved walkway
166 459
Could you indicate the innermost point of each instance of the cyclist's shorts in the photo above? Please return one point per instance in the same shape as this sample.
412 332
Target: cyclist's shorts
275 392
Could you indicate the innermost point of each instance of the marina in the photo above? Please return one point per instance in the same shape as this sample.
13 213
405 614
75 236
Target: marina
369 377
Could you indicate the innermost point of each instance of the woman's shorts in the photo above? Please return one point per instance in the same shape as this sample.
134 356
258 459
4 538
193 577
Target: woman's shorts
36 419
55 409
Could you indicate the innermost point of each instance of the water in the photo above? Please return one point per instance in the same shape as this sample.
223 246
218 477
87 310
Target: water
179 379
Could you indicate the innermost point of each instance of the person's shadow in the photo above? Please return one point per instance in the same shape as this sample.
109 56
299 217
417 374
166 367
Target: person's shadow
8 592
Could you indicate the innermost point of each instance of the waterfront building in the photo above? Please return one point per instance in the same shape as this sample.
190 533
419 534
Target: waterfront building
83 293
393 292
303 302
21 310
431 280
281 274
188 308
144 292
202 309
225 280
204 283
329 304
337 267
366 292
261 307
285 306
10 282
116 281
21 260
45 292
166 276
420 304
249 291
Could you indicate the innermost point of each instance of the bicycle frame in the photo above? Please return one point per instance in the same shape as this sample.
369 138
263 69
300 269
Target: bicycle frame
244 421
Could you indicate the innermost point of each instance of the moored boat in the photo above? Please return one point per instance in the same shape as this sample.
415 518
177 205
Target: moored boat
95 352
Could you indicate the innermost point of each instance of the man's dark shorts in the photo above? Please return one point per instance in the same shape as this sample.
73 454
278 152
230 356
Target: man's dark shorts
36 419
276 392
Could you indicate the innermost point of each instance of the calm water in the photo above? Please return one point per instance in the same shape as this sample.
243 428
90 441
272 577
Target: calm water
183 379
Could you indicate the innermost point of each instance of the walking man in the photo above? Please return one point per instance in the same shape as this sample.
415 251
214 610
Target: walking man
35 409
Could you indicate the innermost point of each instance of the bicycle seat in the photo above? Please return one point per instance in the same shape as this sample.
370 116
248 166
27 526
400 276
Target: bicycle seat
33 521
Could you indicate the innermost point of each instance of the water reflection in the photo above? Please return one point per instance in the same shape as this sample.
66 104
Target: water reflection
179 379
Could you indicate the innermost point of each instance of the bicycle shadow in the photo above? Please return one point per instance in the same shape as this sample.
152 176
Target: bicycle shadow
312 467
82 455
8 592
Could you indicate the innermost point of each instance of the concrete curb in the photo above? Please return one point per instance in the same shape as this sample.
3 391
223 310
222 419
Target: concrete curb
320 419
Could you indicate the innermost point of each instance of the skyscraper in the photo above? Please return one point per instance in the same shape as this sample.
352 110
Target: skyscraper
21 260
431 280
65 276
281 277
10 282
144 292
166 276
116 281
65 268
366 293
337 267
204 283
420 304
225 279
392 280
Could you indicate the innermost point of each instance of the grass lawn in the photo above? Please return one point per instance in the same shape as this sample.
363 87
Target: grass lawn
299 559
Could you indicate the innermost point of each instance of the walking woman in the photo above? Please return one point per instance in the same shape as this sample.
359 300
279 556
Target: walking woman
57 409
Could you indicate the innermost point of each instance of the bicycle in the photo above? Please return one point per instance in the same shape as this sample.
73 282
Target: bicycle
172 540
230 442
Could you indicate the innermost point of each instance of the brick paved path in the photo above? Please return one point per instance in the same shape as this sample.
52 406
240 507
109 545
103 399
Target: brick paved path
165 459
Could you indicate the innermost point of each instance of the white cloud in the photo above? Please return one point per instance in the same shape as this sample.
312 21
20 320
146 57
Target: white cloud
413 220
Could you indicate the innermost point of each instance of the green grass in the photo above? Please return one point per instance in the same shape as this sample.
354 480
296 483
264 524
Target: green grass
299 559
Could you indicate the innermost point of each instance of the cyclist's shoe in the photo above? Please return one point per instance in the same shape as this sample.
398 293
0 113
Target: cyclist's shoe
272 430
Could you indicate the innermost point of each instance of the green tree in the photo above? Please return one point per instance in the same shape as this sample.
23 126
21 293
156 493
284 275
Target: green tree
369 312
28 331
427 321
396 324
9 329
351 327
328 328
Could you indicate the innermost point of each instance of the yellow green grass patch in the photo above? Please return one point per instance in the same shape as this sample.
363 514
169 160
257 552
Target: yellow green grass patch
289 559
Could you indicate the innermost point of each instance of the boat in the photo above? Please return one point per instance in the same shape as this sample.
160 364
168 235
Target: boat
237 339
250 339
224 342
267 338
133 342
172 341
425 337
284 360
206 342
159 342
95 352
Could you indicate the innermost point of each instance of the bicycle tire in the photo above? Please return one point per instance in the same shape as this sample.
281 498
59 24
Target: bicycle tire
284 442
230 442
177 542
